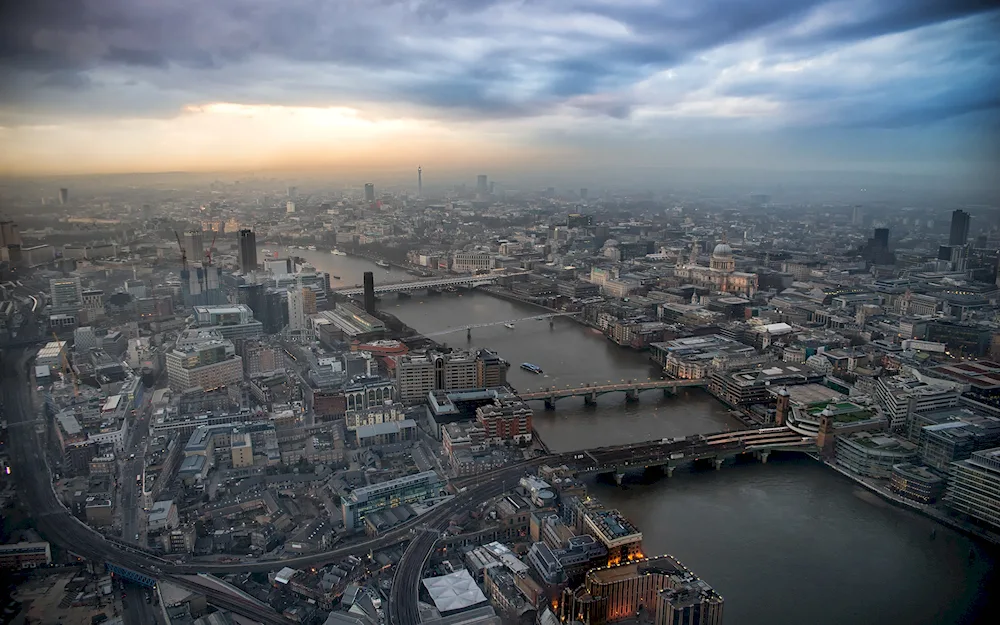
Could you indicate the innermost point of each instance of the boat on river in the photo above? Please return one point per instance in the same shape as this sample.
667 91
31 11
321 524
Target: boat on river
527 366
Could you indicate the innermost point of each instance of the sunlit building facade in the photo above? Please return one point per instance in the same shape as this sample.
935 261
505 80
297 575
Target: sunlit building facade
661 590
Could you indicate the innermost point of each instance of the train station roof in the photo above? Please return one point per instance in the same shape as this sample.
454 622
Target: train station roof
454 592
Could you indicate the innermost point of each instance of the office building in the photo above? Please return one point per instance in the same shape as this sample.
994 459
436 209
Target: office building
163 516
876 251
902 396
260 359
669 592
289 207
66 294
377 497
491 369
959 233
420 182
482 186
622 539
506 420
247 251
9 234
369 192
276 311
208 364
296 309
18 556
252 296
881 238
291 192
745 387
310 300
418 375
278 266
974 485
472 262
64 196
873 454
369 292
917 483
233 322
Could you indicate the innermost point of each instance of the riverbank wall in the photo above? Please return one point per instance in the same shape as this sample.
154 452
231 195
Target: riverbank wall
928 511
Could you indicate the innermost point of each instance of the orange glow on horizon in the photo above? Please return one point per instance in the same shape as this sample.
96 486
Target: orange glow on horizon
223 136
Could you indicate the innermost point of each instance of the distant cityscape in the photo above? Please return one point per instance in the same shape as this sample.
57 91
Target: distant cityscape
215 407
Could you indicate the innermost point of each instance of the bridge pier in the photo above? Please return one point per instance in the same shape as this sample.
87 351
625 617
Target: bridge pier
619 477
468 334
669 470
631 396
669 391
590 399
762 455
550 403
718 463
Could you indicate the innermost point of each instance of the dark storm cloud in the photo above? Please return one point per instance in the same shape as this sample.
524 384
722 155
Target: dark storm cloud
486 58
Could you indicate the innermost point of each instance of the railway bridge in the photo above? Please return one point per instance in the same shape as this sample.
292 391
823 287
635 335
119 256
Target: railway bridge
670 453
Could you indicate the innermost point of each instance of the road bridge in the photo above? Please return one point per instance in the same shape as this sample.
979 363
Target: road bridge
437 283
61 528
590 392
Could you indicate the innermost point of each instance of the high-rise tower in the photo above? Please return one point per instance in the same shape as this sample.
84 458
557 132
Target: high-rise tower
369 293
420 182
194 246
369 191
247 250
959 228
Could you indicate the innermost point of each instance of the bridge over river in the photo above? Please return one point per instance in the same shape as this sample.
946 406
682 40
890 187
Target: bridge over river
590 392
437 283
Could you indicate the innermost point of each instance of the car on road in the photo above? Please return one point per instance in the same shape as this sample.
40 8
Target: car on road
137 536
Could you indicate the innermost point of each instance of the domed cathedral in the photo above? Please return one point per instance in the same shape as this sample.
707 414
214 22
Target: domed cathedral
722 257
721 274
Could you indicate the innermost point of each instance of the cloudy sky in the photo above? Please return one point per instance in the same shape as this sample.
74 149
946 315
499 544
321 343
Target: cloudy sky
159 85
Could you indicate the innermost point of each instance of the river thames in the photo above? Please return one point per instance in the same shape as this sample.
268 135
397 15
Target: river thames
786 542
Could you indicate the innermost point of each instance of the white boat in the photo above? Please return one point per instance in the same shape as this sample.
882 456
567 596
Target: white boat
509 326
312 248
337 252
266 251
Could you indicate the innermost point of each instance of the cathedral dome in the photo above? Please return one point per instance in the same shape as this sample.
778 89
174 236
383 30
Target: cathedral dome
722 249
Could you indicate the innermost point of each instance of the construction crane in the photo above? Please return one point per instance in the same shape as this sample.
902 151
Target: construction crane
208 252
67 367
184 256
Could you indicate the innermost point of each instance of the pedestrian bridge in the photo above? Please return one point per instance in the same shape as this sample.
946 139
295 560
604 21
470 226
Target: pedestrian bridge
437 283
472 326
590 392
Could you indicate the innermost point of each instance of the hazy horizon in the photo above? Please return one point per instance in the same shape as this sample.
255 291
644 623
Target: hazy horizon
577 87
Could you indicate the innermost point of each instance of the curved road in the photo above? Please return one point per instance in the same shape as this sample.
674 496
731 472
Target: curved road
61 528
